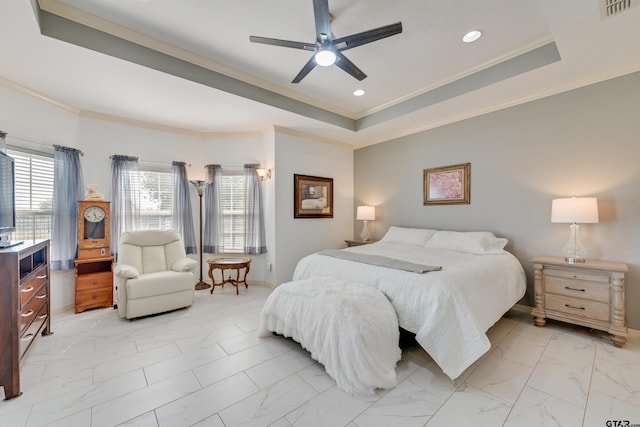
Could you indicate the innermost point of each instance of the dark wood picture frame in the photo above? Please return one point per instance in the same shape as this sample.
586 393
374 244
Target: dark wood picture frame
447 185
312 197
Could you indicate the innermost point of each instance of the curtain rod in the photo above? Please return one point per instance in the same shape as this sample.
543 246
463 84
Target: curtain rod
155 161
6 135
160 163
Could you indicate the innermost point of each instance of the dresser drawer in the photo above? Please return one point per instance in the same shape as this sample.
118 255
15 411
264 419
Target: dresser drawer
34 306
578 307
579 288
28 335
32 284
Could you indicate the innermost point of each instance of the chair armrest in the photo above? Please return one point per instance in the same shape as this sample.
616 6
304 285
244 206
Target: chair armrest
126 271
184 264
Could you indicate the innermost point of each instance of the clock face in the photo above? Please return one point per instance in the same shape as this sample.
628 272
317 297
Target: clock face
94 214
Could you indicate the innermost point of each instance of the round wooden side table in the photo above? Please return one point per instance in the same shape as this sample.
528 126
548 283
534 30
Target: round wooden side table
223 264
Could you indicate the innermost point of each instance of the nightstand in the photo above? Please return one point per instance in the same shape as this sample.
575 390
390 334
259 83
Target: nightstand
351 243
590 294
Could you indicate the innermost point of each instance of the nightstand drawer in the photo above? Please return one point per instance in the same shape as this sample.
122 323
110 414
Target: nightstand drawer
578 307
591 276
94 282
578 288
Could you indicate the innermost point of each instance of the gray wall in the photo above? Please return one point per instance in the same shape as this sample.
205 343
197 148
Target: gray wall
581 143
298 237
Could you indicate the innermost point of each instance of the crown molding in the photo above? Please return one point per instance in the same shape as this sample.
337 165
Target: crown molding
301 134
35 94
465 73
92 21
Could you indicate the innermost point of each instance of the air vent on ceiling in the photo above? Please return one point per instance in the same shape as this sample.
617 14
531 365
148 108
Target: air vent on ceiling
615 7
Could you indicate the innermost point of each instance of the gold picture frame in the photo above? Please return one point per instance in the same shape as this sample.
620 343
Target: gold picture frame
447 185
313 197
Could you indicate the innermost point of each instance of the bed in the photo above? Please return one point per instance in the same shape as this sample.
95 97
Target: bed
448 310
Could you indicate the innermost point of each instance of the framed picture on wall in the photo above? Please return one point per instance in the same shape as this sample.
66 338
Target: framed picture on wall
312 197
447 185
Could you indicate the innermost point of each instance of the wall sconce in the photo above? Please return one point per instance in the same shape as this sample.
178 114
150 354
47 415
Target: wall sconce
264 174
574 210
365 213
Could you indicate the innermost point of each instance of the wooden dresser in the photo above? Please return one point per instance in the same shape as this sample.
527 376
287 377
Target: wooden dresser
24 307
590 294
94 283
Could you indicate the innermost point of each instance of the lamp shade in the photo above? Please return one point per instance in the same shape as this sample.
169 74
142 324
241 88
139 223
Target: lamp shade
366 213
580 210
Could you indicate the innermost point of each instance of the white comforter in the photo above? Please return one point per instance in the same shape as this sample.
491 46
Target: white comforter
448 310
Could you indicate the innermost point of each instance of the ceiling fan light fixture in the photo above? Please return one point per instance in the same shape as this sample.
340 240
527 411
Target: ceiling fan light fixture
325 57
472 36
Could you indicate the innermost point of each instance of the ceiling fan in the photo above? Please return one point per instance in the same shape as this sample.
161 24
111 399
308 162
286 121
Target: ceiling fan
328 50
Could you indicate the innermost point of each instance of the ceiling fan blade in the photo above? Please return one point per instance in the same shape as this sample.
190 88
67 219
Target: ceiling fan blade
344 63
323 21
369 36
283 43
310 65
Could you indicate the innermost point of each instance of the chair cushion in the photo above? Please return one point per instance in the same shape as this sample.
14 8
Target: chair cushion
184 264
126 271
152 284
153 259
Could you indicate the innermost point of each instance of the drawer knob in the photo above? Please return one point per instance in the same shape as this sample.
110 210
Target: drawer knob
44 276
27 290
569 288
574 307
27 314
27 337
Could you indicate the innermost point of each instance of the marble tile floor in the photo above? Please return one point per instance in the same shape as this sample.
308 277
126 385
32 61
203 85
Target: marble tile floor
206 366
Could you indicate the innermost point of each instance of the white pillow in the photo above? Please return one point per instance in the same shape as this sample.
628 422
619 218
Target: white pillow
473 242
408 236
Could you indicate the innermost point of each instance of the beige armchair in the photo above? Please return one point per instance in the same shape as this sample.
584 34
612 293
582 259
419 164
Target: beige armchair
153 273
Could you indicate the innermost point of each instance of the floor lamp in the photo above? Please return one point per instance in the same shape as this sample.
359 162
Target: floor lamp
200 185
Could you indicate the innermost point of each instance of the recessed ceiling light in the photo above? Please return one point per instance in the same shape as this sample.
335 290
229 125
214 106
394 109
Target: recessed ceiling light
358 92
472 36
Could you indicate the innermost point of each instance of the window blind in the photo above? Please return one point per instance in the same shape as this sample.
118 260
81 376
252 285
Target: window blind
232 198
156 200
34 195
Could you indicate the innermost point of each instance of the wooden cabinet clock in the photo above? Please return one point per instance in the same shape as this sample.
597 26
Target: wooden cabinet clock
93 229
94 265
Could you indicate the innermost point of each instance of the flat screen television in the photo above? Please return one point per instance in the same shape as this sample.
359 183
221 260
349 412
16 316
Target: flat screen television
7 200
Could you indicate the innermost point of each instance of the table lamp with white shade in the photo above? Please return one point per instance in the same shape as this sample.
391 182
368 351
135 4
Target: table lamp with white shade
574 210
365 213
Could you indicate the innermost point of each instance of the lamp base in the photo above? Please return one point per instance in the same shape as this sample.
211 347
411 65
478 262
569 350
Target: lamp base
574 251
202 285
364 236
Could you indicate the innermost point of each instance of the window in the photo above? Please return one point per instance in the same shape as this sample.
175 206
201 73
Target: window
34 195
232 197
156 200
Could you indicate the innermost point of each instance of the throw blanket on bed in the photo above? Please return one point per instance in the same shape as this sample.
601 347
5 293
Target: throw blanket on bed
381 261
350 328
